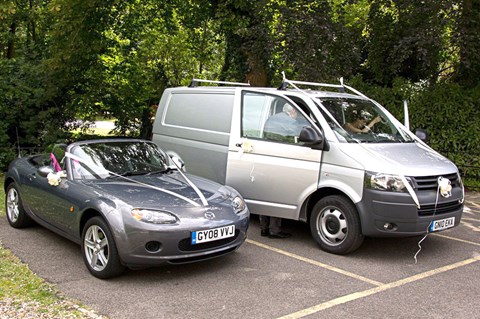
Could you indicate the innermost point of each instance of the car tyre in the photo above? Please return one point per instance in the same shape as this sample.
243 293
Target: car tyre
335 225
16 215
99 250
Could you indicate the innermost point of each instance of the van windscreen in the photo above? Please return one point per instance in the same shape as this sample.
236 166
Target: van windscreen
359 120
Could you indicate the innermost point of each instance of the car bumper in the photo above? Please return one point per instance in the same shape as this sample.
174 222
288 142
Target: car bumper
141 244
389 214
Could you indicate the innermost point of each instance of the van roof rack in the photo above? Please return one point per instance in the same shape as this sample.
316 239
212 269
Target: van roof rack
341 87
195 82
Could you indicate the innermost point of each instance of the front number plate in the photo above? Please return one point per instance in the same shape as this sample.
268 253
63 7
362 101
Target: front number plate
441 224
203 236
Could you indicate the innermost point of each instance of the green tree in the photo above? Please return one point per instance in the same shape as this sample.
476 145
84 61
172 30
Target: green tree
405 38
318 41
248 43
468 41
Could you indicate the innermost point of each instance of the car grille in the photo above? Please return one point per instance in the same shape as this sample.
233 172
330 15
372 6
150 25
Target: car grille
431 182
186 245
202 257
440 208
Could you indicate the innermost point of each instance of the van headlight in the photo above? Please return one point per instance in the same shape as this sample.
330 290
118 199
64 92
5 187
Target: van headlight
385 182
238 205
154 216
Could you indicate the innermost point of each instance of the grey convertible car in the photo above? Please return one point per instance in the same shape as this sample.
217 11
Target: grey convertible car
126 203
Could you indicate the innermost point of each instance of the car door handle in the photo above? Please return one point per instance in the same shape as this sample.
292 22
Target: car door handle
239 144
32 176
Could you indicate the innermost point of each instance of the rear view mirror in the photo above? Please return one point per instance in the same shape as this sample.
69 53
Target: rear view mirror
422 135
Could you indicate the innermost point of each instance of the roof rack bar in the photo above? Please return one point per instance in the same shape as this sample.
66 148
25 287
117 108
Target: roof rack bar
315 84
195 81
356 91
340 86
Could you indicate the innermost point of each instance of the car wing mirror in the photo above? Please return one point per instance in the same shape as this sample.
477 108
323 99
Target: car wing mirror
44 171
178 162
422 135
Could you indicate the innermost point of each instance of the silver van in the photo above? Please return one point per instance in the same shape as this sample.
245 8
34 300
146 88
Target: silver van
339 161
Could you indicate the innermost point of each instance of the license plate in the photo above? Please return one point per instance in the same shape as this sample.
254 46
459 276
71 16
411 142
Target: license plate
441 224
203 236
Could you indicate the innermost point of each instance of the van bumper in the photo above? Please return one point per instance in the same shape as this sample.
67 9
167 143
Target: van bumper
390 214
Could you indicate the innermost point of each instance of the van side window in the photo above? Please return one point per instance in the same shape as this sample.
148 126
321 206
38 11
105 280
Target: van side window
271 118
200 111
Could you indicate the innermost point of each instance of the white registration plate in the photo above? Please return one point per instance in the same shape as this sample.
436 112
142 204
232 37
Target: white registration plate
203 236
441 224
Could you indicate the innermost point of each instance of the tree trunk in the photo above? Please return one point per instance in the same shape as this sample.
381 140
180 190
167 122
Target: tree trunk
11 41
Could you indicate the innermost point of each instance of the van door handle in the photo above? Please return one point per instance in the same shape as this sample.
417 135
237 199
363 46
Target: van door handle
239 144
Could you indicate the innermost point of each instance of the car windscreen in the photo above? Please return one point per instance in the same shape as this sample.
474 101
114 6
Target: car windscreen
360 120
110 159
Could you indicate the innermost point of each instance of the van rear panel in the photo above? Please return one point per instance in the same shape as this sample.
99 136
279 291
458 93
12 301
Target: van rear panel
195 124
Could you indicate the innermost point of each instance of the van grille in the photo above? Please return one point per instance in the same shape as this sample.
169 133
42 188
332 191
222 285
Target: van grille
186 245
431 182
441 208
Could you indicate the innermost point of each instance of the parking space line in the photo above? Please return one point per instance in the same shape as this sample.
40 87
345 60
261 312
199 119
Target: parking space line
473 203
316 263
375 290
458 239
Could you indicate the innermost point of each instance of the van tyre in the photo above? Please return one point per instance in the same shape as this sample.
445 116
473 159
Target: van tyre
335 225
99 250
16 215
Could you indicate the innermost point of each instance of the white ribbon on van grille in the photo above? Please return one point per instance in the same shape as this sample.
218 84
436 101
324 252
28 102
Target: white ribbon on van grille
93 166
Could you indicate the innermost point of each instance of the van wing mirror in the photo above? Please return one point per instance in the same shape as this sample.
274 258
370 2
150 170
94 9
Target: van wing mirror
422 135
310 137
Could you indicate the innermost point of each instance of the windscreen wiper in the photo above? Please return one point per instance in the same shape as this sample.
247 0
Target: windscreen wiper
162 171
127 173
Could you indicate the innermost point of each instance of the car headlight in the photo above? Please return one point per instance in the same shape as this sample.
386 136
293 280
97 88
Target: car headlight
238 205
153 216
385 182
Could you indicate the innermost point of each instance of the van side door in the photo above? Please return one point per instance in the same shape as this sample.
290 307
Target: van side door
266 162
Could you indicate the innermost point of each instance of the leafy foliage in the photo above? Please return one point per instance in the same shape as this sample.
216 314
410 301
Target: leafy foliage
405 39
314 44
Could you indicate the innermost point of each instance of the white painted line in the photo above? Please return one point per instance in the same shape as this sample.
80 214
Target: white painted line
457 239
316 263
473 203
368 292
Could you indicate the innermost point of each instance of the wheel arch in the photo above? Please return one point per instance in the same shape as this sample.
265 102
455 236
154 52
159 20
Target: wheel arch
9 180
309 203
88 214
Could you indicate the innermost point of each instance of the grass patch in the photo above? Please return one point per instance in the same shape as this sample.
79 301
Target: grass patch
23 294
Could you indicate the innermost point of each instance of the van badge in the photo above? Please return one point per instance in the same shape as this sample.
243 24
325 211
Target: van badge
445 187
209 215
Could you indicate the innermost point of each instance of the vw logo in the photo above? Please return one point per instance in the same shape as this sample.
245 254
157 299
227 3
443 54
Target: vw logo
209 215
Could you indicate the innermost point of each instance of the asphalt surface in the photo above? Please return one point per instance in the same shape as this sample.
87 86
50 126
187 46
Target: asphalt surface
272 278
